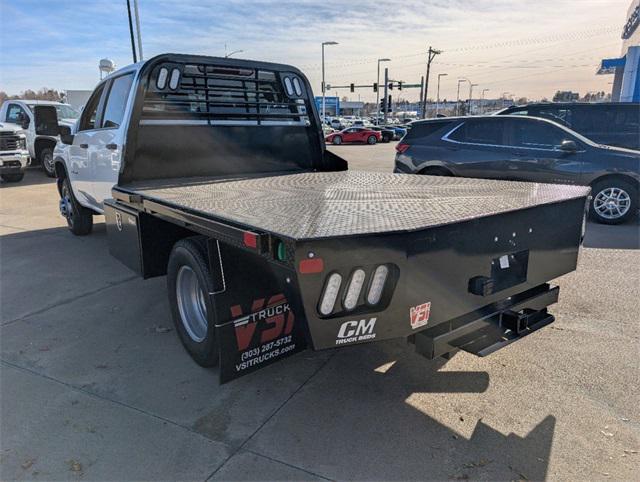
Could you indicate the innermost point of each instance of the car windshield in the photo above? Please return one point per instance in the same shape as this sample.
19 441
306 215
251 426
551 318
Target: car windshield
66 112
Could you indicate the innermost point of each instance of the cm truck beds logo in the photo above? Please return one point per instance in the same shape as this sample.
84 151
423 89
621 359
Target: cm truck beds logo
273 315
353 331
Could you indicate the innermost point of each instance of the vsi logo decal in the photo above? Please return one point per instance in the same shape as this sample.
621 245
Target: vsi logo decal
419 315
352 331
275 316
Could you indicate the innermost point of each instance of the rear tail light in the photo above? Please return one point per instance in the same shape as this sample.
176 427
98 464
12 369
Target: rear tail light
377 284
354 289
330 294
401 147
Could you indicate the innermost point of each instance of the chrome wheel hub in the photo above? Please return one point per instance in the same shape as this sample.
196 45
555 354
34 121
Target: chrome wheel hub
191 304
612 203
66 209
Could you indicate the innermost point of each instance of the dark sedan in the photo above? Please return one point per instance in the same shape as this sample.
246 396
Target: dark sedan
526 149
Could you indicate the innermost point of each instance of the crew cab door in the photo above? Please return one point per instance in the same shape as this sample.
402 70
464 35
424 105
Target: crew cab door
538 156
79 169
105 154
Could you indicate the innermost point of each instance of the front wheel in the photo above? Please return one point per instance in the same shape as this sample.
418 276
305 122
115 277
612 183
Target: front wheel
46 160
79 219
372 140
613 201
189 283
12 177
337 140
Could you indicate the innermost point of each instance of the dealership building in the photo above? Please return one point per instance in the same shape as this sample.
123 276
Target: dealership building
626 68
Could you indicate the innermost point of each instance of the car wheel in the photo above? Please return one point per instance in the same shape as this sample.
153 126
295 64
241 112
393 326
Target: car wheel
189 283
613 201
79 219
12 177
372 140
46 160
337 140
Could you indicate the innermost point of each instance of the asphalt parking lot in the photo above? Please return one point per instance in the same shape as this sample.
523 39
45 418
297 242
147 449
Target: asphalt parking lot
95 385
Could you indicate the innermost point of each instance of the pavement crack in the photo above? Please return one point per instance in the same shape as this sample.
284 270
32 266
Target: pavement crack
273 414
66 301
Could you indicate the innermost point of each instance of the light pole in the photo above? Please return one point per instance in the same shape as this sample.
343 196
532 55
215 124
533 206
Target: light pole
323 89
378 91
504 96
471 86
482 109
458 95
438 94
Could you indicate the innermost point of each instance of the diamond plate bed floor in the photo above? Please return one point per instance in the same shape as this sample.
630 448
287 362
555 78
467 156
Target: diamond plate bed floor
346 203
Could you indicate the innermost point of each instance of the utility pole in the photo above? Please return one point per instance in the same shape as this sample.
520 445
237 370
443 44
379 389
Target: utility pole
137 17
430 56
386 98
471 86
482 106
133 43
378 90
421 93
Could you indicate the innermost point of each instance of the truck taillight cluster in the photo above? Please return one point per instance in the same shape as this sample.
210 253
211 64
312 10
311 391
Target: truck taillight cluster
352 294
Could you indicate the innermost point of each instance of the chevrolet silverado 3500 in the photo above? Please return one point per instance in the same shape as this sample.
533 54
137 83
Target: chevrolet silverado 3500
214 172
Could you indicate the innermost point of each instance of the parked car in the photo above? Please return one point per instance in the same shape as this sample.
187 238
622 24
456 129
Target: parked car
354 134
14 156
362 123
338 123
387 134
32 117
525 148
610 123
398 131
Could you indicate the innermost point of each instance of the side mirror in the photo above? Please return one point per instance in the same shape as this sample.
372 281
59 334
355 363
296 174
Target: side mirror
569 146
65 135
23 120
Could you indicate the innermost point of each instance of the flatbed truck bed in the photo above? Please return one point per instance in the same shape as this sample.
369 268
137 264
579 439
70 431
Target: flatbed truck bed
217 176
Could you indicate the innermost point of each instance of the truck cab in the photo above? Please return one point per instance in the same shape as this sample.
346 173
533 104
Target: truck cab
14 156
34 117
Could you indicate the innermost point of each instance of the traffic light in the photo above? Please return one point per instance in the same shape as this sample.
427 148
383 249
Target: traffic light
399 85
390 85
382 104
389 107
375 87
352 87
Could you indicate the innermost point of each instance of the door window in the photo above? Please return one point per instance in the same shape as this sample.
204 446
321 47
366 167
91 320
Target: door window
13 113
490 132
530 133
117 101
90 112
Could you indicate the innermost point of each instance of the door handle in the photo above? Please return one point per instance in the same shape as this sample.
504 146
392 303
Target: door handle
84 146
113 147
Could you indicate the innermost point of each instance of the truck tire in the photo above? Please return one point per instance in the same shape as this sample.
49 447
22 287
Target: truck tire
613 201
46 160
372 140
188 283
79 219
12 177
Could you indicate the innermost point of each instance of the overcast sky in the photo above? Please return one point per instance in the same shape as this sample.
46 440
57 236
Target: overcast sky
526 47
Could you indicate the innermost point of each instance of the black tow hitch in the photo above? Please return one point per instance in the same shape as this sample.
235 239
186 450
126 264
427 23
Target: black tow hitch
490 328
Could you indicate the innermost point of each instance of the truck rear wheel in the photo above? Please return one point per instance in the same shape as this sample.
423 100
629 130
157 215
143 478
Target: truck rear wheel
189 283
79 219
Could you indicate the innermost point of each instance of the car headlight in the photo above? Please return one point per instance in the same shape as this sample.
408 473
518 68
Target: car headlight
22 143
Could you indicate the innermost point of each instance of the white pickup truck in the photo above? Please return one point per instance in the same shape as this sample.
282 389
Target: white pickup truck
27 115
13 154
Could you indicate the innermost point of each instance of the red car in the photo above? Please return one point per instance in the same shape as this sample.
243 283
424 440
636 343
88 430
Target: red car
354 134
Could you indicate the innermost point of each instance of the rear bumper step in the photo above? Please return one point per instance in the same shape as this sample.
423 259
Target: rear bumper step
492 327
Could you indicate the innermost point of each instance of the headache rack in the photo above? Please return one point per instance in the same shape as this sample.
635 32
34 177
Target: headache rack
199 93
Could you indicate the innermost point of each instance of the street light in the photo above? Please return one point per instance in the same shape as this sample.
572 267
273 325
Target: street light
438 94
226 56
323 89
458 95
482 100
471 86
504 96
378 91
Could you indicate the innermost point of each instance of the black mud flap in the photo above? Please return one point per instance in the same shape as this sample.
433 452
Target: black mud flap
259 317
